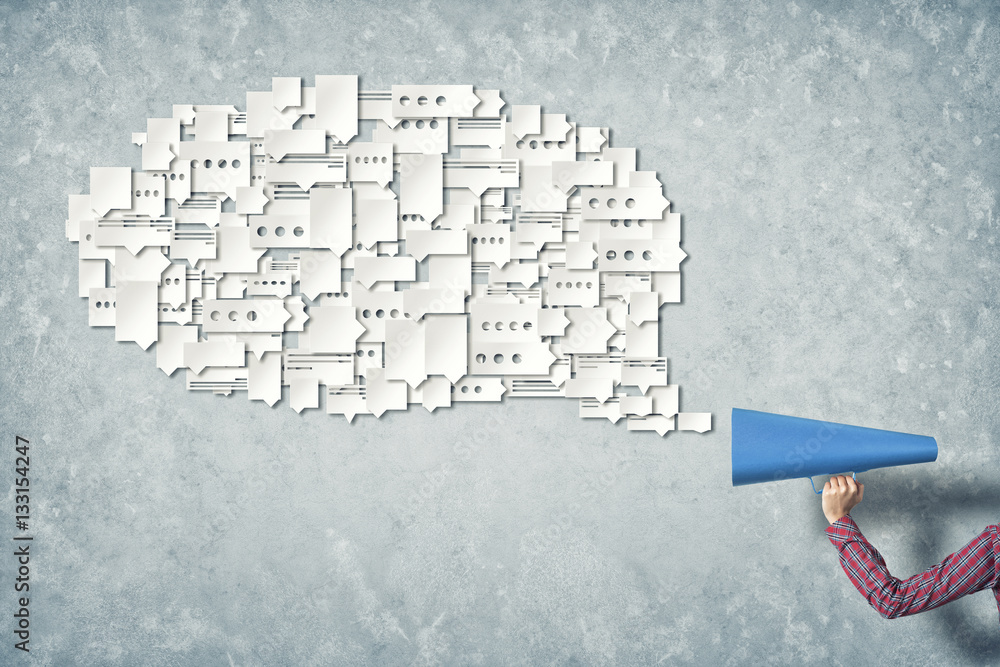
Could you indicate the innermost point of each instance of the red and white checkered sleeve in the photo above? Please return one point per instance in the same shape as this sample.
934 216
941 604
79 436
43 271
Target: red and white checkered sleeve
972 568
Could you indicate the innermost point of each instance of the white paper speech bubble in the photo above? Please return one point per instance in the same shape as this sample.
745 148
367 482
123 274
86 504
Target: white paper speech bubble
515 256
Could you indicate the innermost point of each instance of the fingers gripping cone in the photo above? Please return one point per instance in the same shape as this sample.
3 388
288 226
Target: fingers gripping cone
769 447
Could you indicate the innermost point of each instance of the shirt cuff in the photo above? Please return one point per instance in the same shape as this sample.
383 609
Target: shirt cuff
842 530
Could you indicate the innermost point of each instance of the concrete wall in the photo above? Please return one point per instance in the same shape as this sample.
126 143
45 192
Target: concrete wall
836 167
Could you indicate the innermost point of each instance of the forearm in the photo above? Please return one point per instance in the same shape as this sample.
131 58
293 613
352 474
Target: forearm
865 567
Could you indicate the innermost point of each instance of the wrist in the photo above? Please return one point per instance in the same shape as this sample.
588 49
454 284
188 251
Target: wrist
834 517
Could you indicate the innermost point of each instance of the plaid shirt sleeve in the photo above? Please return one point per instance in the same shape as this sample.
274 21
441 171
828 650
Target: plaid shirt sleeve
974 567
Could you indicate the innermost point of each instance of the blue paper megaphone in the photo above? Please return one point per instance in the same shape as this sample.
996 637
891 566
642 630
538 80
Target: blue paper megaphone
769 447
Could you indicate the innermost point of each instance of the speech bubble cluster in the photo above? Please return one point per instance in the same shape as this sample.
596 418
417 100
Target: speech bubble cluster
457 255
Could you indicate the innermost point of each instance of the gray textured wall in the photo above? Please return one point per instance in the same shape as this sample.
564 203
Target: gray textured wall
836 167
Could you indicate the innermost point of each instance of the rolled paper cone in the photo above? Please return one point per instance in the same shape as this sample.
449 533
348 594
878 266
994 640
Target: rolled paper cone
769 447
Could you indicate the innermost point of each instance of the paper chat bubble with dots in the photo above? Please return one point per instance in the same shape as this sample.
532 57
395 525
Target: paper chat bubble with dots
370 250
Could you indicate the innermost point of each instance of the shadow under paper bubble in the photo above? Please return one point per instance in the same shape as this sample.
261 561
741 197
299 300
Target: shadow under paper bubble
927 509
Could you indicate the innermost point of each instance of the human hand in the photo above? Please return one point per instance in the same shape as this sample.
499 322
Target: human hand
840 495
